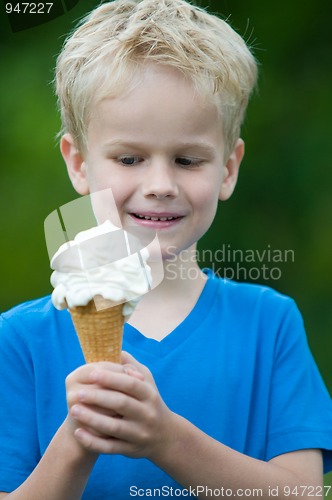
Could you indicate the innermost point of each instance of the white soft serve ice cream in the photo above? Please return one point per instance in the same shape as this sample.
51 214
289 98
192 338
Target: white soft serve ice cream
100 262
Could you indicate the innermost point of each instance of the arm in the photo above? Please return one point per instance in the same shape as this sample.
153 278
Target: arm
202 461
61 473
64 469
51 476
149 429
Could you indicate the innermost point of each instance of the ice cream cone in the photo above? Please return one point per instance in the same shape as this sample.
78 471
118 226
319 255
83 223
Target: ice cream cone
99 331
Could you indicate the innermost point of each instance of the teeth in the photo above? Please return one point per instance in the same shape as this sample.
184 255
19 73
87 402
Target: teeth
146 217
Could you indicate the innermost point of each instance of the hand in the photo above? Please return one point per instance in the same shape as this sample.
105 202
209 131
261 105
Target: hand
78 382
117 409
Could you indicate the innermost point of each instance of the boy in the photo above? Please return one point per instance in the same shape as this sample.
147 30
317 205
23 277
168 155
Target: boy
219 394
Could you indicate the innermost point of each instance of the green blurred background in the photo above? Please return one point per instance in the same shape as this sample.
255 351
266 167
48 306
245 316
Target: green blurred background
283 200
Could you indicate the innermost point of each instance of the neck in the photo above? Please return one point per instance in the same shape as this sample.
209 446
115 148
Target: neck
182 275
167 305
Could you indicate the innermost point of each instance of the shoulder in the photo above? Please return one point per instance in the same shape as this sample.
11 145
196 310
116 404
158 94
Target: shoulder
29 307
30 319
29 312
36 333
255 311
249 296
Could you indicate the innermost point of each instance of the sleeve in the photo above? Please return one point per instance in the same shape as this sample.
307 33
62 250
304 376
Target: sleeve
19 448
300 407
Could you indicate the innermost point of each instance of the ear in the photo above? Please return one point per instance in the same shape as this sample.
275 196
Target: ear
76 166
231 171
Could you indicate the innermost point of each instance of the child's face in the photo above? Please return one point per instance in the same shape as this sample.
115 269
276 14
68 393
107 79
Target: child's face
160 149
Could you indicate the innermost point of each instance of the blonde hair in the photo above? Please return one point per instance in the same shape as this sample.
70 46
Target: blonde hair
110 46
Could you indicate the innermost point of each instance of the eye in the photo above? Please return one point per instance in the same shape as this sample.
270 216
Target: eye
188 162
129 160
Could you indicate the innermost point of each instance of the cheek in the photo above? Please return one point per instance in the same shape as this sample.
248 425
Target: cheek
206 197
110 194
100 178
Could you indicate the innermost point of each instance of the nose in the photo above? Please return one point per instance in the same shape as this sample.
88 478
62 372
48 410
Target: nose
160 181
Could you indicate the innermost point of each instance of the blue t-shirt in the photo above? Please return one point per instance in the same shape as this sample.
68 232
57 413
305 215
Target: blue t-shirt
238 367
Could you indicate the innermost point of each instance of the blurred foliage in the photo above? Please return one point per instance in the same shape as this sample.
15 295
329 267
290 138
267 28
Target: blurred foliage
283 199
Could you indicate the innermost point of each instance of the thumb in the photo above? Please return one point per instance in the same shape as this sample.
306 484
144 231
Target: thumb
128 358
131 366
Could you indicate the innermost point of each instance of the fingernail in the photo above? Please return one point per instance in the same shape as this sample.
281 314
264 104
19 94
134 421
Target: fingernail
81 395
128 370
94 376
79 433
75 411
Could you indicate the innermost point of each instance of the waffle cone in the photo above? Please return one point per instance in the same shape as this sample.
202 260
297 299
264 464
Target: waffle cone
99 331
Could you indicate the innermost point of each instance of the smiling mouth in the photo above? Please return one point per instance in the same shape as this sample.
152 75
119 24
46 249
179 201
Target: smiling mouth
154 218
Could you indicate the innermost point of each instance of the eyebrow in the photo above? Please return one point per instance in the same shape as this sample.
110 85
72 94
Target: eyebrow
201 147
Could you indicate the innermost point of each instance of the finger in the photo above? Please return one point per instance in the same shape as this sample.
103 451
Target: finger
131 366
127 368
108 446
103 425
80 375
133 386
127 358
111 403
132 371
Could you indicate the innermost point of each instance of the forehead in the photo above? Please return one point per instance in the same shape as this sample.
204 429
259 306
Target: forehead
159 99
